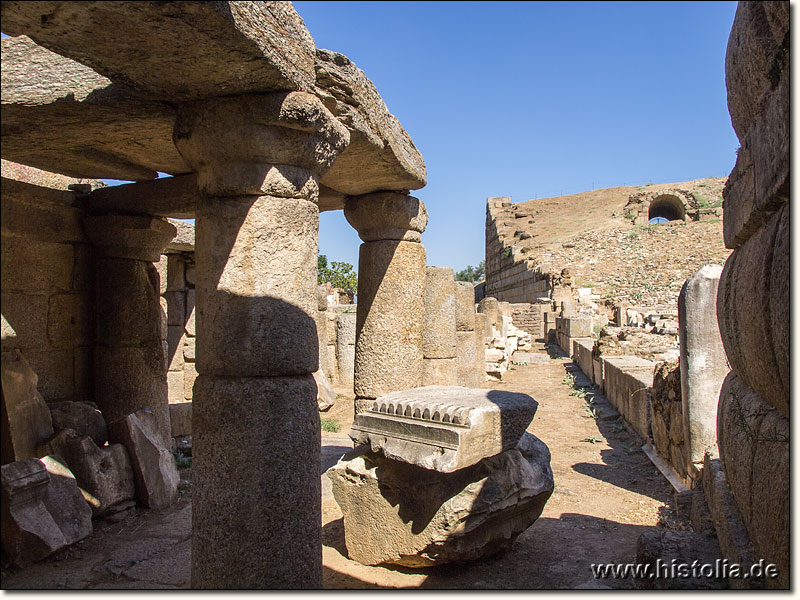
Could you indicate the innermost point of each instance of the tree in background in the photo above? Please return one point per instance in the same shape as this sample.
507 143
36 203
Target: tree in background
472 274
338 274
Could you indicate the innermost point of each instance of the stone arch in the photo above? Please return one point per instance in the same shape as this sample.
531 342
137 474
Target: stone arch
667 206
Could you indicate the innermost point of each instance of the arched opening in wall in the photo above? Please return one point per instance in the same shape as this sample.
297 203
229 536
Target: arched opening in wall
666 208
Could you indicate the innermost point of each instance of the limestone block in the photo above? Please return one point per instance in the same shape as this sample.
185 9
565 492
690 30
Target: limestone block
189 378
390 317
175 387
439 333
236 423
628 382
495 370
403 514
465 306
504 309
82 417
444 428
439 371
176 272
702 360
189 346
161 269
483 329
68 318
346 329
104 474
42 509
56 370
163 319
191 272
479 366
264 324
490 308
466 359
154 469
190 326
754 449
331 326
386 216
128 307
29 422
176 308
753 311
127 379
30 266
666 417
131 237
326 395
180 418
175 348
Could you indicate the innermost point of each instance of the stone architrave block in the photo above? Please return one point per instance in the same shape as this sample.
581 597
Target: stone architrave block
42 509
103 474
154 468
465 306
703 365
83 417
444 428
29 421
439 371
471 513
439 333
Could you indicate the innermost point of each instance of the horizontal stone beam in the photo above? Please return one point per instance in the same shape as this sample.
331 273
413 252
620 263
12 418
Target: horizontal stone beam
166 197
176 50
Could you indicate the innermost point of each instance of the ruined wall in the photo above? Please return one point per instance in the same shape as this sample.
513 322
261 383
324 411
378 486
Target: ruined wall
47 287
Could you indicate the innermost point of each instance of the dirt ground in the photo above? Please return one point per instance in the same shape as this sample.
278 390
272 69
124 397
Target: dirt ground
607 493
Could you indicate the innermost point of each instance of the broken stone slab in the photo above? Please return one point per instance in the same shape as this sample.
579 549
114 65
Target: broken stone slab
326 395
154 469
29 422
402 514
104 475
82 416
444 428
42 509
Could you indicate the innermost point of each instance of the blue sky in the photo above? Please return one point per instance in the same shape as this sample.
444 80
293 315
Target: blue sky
536 99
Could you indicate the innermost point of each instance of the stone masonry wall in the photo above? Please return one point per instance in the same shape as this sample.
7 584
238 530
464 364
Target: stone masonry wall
47 287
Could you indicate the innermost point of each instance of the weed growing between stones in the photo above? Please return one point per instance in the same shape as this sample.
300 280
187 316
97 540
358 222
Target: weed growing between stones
329 424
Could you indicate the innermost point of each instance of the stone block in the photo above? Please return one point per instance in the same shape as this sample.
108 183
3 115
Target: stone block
465 515
390 318
176 308
190 273
154 469
30 266
176 273
582 354
175 387
189 345
466 359
331 326
444 428
175 348
628 382
753 311
180 418
386 216
190 326
465 306
703 365
332 368
28 418
236 423
163 319
82 417
490 308
103 474
24 319
482 327
326 395
161 269
346 357
42 510
346 329
439 332
129 237
439 371
754 449
189 377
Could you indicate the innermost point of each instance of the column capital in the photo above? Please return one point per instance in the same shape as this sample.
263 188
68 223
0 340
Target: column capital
129 236
276 144
386 216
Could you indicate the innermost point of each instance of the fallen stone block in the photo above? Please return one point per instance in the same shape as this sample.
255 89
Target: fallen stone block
42 509
403 514
326 395
104 475
154 468
444 428
83 417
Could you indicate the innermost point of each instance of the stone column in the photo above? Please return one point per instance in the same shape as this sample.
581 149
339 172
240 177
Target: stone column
466 355
130 359
391 279
439 338
703 362
256 434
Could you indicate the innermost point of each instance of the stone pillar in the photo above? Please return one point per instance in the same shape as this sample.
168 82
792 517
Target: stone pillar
466 346
255 423
391 276
130 359
480 347
439 336
703 363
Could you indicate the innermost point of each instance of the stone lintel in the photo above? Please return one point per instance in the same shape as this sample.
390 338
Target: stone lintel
174 197
444 428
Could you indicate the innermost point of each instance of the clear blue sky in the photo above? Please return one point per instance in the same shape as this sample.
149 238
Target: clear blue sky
536 99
